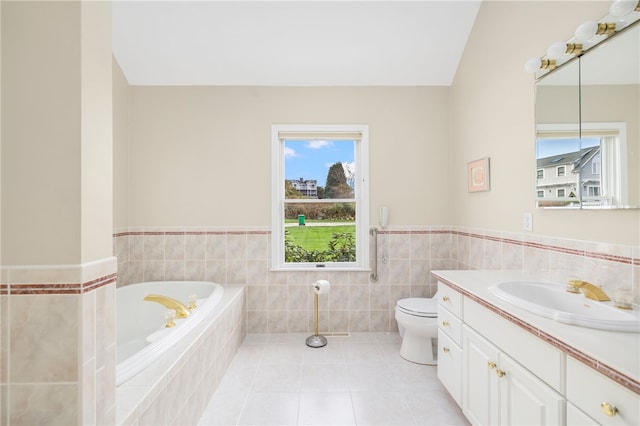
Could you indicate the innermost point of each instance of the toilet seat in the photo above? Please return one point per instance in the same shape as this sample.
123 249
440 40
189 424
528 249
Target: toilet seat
418 307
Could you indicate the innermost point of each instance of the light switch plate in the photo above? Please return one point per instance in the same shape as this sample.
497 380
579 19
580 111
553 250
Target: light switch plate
527 221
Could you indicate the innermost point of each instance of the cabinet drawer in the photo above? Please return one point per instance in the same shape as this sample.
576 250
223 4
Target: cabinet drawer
450 366
587 389
576 417
449 324
450 299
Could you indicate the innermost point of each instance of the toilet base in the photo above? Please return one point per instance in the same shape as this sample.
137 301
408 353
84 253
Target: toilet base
418 349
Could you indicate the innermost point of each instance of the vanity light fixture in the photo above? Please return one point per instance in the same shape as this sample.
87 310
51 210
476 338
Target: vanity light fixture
589 29
559 49
535 64
621 8
623 12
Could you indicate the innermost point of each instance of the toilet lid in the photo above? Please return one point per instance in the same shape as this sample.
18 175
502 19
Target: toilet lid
418 306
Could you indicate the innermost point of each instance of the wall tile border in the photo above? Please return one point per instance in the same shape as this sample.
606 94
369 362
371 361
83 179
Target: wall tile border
629 260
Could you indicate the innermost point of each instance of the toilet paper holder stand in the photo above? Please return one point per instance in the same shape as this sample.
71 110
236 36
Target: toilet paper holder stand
316 340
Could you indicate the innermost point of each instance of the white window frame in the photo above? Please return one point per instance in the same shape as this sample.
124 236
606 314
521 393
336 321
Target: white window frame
361 196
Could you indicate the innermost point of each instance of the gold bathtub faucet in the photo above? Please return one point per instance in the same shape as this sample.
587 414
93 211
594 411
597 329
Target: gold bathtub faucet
170 303
590 291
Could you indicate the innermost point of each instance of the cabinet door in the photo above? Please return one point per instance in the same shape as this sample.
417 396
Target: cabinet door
450 366
479 379
525 399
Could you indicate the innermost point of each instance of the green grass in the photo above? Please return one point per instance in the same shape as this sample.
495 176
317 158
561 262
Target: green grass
316 237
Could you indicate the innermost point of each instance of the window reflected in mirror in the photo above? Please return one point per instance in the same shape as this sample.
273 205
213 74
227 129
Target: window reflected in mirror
583 168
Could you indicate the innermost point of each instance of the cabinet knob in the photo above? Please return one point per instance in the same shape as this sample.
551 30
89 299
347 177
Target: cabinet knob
445 298
491 365
609 409
445 349
445 323
501 373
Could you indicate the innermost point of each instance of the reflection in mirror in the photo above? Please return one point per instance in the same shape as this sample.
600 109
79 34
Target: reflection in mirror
558 137
588 132
557 170
610 92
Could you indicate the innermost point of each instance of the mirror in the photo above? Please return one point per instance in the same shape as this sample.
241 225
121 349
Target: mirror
588 132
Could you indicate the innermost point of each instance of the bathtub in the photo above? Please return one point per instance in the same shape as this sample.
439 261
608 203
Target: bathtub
141 335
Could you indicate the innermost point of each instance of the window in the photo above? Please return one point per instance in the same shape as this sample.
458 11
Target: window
593 191
561 193
540 193
540 174
320 200
595 165
560 171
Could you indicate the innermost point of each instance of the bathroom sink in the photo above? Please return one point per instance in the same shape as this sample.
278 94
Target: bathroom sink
553 301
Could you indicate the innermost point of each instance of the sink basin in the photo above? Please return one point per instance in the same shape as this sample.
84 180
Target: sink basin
553 301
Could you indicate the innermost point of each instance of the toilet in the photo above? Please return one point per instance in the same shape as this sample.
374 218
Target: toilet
417 319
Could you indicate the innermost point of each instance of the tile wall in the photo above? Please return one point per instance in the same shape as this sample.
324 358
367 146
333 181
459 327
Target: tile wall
58 344
283 301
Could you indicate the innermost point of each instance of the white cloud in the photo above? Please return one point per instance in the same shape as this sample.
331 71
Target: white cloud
289 152
319 144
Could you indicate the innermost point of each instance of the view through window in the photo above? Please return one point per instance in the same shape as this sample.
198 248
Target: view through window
320 197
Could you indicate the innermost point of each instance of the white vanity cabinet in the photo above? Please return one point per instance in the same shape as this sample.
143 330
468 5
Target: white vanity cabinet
509 369
450 341
596 397
497 390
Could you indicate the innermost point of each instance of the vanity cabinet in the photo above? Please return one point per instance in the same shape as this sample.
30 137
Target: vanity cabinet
503 371
596 397
450 341
497 390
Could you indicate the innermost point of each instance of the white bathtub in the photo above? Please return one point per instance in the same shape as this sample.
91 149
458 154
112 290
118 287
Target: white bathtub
141 335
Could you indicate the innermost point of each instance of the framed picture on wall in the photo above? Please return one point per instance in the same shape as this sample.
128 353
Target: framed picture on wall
478 175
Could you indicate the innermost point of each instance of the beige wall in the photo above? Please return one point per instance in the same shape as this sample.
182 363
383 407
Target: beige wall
41 133
201 155
492 104
120 147
96 194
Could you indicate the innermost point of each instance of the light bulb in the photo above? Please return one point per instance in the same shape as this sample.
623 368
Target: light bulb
621 8
532 65
557 50
586 30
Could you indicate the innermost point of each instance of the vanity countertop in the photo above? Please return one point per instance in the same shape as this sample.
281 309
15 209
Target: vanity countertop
615 354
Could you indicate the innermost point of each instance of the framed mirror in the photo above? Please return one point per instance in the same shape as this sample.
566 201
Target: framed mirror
587 128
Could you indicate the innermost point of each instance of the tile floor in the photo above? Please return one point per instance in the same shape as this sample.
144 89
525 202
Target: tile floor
275 379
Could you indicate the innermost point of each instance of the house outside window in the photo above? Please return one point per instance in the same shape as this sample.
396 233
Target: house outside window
320 200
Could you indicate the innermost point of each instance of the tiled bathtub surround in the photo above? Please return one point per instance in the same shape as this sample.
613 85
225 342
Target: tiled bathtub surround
283 301
58 344
177 387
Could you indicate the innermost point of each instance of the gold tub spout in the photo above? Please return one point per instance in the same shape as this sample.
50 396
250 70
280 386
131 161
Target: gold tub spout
590 291
170 303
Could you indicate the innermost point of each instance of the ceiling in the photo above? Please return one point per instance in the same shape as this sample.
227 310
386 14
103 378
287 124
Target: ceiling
291 43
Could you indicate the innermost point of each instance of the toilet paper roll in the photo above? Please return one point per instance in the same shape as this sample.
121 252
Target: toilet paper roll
321 287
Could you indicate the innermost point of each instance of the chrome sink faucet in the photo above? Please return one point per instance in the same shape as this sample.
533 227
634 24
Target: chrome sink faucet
589 290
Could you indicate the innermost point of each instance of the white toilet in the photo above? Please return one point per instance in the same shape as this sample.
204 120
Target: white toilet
417 319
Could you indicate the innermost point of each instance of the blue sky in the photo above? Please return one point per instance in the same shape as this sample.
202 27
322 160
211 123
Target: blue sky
549 147
312 159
